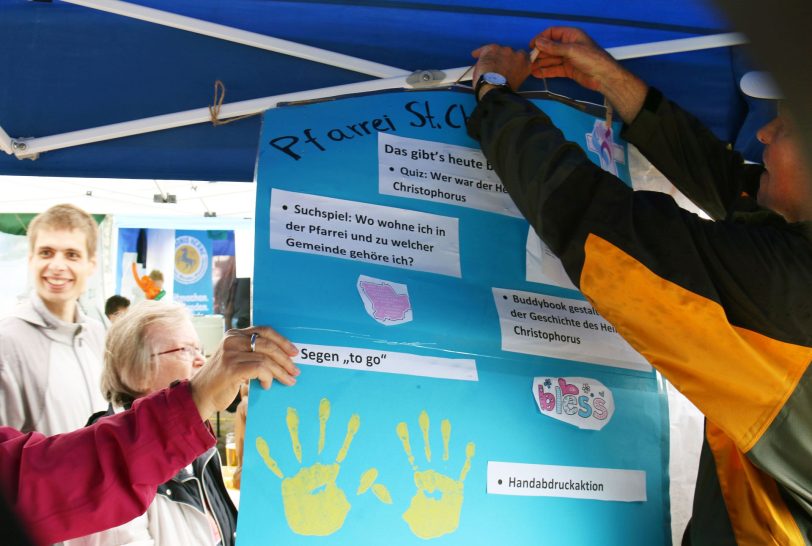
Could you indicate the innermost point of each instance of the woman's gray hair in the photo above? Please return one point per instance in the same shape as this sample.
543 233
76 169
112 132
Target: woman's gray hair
128 364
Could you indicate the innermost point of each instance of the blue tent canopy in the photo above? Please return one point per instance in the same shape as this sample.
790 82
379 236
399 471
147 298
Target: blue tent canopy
66 67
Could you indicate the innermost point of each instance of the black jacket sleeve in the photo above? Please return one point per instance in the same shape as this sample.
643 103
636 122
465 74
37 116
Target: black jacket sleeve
567 198
708 171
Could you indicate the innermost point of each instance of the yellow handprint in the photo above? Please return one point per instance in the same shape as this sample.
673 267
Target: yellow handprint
314 504
436 506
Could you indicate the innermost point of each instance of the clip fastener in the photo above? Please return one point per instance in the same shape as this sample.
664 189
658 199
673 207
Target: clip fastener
426 78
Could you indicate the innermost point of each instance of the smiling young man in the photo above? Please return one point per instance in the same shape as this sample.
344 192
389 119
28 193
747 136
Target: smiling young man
50 352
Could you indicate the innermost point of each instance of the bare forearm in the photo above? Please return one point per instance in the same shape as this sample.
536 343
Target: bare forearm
625 92
569 52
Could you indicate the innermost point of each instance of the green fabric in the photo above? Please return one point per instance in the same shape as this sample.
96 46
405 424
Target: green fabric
785 450
16 223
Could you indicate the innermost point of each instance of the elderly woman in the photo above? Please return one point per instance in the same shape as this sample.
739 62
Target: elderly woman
154 345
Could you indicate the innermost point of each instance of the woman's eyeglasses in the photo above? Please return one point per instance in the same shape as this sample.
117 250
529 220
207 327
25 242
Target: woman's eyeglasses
188 352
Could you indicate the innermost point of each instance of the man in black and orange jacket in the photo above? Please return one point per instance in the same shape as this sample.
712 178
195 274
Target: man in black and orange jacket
721 307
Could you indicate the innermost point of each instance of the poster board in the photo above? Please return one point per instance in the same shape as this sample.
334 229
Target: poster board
455 388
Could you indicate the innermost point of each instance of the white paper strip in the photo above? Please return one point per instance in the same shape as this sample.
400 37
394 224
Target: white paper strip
369 360
567 328
574 482
442 173
352 230
542 266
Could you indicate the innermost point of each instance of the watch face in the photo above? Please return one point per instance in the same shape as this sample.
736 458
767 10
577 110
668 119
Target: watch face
494 78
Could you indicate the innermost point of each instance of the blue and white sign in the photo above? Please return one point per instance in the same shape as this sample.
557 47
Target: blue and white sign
193 285
389 252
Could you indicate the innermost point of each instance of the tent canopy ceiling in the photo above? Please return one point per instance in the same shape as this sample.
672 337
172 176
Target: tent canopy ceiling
66 67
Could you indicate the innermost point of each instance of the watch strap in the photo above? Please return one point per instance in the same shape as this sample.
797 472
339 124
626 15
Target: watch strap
482 81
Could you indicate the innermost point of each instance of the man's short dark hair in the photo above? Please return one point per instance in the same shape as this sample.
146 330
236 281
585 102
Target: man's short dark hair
114 303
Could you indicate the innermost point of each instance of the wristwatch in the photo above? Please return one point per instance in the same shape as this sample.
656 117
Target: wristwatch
490 78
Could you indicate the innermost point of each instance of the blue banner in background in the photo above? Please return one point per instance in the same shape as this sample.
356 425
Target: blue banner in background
222 242
455 388
193 263
127 246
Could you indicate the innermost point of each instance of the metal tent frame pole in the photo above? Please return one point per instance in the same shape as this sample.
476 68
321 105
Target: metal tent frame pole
34 146
681 45
5 142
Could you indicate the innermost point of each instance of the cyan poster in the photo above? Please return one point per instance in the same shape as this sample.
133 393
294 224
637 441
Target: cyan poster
455 388
193 262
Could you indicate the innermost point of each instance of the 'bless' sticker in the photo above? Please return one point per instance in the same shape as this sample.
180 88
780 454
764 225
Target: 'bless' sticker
580 401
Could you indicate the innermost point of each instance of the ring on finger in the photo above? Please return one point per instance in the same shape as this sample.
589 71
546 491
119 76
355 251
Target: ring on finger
254 337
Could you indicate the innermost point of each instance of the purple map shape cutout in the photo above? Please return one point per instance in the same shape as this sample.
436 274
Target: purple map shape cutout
386 303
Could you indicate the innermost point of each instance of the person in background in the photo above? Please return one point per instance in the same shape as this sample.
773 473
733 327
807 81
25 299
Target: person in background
151 285
157 280
237 313
115 307
154 346
103 475
50 352
721 307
